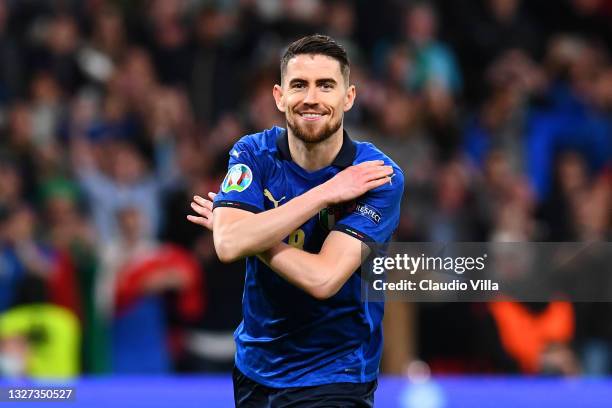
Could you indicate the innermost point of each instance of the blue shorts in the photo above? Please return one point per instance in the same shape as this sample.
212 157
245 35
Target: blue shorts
249 394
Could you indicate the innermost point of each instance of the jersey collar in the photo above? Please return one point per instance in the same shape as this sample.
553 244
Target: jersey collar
345 157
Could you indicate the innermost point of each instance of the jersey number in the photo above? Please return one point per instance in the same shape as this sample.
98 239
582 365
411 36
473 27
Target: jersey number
296 239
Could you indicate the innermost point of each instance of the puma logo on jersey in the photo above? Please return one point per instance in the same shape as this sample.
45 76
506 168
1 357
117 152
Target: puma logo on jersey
236 153
270 197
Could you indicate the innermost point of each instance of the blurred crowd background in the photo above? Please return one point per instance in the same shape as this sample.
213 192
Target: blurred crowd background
113 114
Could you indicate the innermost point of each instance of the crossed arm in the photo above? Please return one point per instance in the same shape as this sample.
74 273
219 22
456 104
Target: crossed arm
239 233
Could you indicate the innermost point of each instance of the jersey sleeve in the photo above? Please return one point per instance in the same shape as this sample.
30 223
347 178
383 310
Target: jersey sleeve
242 186
376 214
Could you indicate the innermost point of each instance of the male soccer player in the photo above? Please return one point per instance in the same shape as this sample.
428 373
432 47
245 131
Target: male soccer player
298 204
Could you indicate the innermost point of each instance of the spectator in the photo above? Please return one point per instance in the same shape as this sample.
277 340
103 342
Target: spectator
38 339
135 272
433 62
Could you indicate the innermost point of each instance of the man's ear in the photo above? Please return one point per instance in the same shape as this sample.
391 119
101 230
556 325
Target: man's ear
349 98
277 91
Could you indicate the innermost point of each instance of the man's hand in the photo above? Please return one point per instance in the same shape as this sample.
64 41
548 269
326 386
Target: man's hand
354 181
203 207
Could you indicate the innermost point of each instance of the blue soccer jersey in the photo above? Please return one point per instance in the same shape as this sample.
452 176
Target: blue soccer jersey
288 338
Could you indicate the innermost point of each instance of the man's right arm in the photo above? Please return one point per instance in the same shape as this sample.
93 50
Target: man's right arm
238 233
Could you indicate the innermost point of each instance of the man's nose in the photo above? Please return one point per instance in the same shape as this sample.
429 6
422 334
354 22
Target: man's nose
311 96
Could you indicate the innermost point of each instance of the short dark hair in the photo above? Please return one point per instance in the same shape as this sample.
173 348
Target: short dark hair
317 44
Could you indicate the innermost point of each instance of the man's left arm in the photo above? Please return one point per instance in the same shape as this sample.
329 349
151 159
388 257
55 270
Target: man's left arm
322 275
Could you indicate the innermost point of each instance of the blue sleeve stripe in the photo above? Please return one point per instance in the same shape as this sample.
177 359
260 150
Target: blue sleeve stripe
237 204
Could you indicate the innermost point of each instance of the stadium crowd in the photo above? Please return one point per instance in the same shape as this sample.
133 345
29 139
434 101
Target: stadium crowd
113 114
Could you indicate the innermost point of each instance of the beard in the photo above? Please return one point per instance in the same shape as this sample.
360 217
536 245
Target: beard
308 134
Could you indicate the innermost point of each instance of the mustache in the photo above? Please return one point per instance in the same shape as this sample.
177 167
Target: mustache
301 110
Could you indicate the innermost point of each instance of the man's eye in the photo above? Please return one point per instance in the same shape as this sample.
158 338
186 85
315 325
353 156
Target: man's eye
298 86
327 86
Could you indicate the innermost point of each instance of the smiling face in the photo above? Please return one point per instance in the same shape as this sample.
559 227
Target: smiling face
314 96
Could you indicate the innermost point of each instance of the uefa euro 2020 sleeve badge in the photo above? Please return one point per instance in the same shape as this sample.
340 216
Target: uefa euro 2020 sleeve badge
238 178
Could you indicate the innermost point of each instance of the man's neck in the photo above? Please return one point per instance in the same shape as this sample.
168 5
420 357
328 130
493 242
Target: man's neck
315 156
